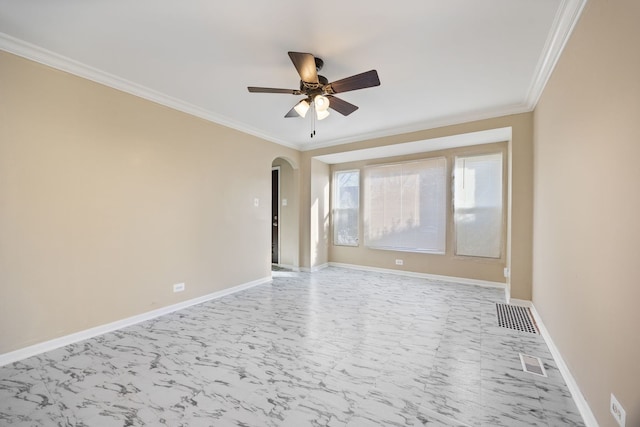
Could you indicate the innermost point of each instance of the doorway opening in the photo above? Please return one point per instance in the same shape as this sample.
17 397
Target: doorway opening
275 215
285 218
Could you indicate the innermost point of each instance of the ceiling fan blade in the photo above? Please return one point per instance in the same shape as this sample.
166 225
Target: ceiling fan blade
254 89
359 81
343 107
292 113
305 63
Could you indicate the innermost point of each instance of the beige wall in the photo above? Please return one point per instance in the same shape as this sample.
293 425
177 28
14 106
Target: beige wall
107 200
447 264
314 212
521 153
586 271
319 214
112 198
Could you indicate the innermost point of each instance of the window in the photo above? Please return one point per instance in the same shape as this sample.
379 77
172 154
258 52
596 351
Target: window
478 197
405 206
346 207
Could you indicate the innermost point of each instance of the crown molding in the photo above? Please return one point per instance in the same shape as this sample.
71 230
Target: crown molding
51 59
566 19
489 113
420 146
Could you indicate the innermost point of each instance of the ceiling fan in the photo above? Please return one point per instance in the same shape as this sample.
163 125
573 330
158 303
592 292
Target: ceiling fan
319 93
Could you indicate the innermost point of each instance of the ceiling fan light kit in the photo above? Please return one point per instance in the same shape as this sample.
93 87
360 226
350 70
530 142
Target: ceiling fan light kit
321 102
301 108
317 89
322 114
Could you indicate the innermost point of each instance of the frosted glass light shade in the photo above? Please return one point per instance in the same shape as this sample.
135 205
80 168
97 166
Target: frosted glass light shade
321 103
322 114
301 108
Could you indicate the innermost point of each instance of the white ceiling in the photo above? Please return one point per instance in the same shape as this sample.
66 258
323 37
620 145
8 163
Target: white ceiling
439 61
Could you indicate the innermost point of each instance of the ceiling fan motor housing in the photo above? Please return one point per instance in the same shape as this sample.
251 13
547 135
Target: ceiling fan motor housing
311 88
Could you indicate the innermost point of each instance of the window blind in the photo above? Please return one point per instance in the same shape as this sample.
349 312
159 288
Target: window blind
405 206
478 196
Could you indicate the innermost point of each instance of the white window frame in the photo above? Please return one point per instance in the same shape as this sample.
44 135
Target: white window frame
336 207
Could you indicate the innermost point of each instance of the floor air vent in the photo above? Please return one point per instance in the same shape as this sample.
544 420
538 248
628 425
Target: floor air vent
532 365
516 317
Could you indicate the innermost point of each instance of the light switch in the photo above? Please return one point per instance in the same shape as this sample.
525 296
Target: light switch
256 202
284 202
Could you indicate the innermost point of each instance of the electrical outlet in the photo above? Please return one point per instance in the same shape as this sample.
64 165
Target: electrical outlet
399 262
617 411
506 272
178 287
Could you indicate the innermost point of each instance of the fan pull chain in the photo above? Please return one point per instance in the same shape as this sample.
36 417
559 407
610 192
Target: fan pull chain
313 120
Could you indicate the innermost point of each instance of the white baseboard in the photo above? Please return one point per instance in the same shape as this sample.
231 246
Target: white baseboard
581 403
315 268
578 398
43 347
462 280
288 267
320 267
520 302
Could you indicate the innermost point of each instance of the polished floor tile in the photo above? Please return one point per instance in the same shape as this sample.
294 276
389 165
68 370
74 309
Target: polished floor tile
332 348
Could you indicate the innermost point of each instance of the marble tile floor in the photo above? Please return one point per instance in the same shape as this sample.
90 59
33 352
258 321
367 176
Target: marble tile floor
334 348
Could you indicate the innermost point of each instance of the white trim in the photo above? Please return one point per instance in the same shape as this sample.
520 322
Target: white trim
420 146
578 398
566 19
489 113
461 280
519 302
63 63
587 416
315 268
55 343
288 267
276 168
320 267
